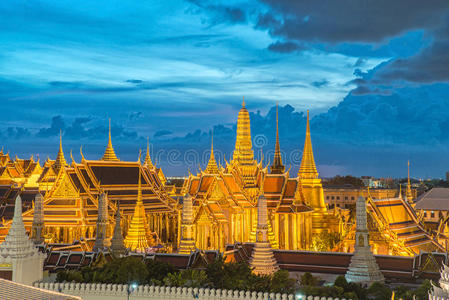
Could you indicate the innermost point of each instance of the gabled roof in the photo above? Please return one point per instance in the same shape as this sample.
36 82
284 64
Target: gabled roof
435 199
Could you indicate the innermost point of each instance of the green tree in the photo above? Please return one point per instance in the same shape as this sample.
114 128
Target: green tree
187 278
282 283
158 270
307 279
379 291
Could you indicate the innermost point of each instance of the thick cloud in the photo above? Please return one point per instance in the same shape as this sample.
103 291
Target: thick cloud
350 21
57 125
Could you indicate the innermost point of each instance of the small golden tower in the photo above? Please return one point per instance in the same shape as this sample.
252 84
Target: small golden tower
187 242
212 167
277 167
139 236
60 159
109 153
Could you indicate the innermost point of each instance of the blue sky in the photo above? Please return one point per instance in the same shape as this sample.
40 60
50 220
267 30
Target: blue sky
374 76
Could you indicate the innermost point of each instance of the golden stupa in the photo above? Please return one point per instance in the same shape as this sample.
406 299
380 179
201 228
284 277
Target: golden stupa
139 237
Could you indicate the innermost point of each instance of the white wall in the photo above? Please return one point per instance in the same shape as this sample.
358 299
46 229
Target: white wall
97 291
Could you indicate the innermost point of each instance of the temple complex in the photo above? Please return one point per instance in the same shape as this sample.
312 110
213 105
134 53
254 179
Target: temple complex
71 198
65 202
225 198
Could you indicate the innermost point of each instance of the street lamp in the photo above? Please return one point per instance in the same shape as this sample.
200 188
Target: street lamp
131 288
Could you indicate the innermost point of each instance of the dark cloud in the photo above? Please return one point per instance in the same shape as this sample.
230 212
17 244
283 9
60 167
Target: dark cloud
162 133
286 47
17 132
350 21
320 83
57 125
428 66
136 115
134 81
221 13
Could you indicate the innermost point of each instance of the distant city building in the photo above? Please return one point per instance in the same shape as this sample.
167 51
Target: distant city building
346 197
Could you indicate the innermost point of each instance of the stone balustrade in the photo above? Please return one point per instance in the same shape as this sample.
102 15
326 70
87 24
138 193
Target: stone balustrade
100 291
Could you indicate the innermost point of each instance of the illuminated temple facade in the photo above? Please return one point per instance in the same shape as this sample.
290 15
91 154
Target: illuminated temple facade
72 194
225 198
108 203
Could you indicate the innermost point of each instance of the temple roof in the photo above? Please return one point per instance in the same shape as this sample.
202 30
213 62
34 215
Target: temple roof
277 167
434 199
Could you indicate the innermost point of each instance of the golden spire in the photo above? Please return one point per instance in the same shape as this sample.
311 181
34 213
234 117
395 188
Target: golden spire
409 194
60 159
212 167
308 168
148 161
109 153
277 167
139 236
243 153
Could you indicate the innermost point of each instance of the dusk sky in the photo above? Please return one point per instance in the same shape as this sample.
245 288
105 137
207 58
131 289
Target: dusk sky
374 75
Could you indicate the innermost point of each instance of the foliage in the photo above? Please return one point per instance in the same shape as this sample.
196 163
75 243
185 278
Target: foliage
345 180
187 278
326 241
158 270
308 279
218 274
379 291
121 270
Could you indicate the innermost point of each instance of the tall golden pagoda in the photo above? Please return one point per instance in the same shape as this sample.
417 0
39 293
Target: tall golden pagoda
243 156
277 167
139 236
109 153
313 189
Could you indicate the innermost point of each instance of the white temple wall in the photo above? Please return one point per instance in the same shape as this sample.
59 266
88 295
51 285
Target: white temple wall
97 291
27 270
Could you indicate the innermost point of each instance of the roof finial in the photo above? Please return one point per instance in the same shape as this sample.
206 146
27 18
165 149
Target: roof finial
243 102
212 167
148 161
81 152
60 159
307 168
277 167
409 194
109 153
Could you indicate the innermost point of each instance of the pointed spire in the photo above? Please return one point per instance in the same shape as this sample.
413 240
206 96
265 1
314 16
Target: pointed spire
308 168
139 237
17 243
243 152
409 194
109 153
60 159
277 167
148 161
212 167
117 242
262 259
243 102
